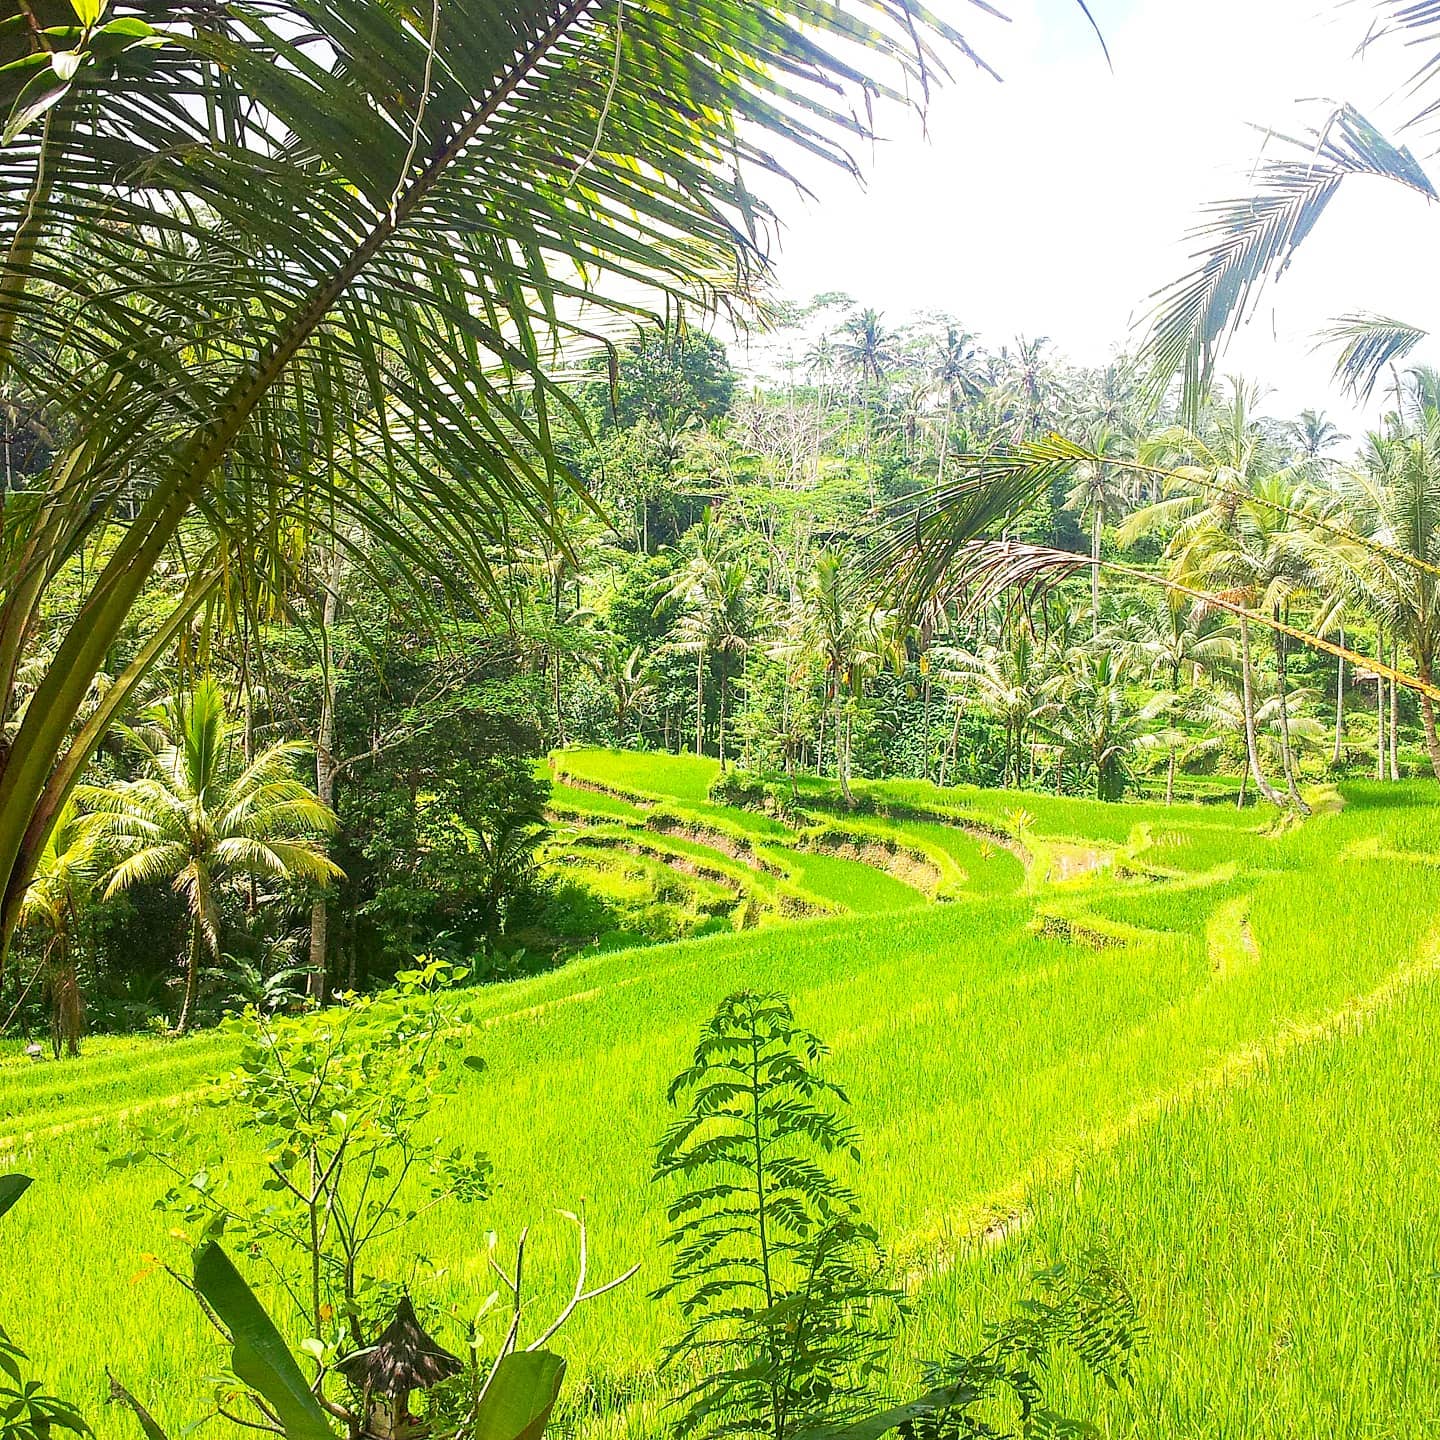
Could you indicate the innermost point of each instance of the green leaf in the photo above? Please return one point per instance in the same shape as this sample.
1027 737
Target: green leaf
88 11
517 1402
12 1187
259 1357
47 88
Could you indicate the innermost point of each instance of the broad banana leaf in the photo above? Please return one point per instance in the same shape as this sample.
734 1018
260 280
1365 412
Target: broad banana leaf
259 1356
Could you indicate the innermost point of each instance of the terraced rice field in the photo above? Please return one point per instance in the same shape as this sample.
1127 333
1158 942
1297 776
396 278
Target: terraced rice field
1211 1048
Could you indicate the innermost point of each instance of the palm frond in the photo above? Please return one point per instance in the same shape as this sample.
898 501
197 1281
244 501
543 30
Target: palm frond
1370 344
1276 500
1000 570
911 561
293 222
1417 22
276 858
1244 243
147 865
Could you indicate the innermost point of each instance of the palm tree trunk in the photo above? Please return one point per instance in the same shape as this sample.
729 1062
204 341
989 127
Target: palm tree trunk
845 775
326 771
724 688
1095 528
1379 707
67 1005
1247 705
1427 715
700 703
1170 779
951 754
1395 714
869 420
1287 750
1337 755
192 979
925 726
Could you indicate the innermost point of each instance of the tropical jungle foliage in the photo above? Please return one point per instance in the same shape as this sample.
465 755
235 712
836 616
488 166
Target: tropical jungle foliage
403 591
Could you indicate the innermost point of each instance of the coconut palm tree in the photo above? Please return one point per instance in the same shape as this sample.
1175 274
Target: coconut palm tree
1173 643
67 870
511 855
694 589
1218 540
632 680
203 818
1314 434
953 377
867 350
834 631
1012 683
1099 495
1093 721
1395 499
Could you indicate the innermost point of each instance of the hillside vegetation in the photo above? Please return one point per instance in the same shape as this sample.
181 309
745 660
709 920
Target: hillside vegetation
1174 1031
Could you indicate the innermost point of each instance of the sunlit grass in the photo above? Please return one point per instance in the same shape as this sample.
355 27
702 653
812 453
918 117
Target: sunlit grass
1186 1096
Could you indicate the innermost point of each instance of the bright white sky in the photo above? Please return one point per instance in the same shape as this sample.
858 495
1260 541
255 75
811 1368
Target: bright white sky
1053 203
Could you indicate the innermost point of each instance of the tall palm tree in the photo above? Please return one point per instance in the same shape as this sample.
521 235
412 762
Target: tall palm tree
1012 684
834 631
952 376
867 349
1396 500
1094 722
1217 538
1173 643
203 818
735 623
67 870
632 681
1314 434
1098 496
694 589
288 204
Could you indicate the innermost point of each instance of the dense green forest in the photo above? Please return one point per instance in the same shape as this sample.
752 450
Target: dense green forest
884 887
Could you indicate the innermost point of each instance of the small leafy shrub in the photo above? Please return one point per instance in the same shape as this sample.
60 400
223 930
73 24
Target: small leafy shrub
780 802
336 1103
778 1277
737 788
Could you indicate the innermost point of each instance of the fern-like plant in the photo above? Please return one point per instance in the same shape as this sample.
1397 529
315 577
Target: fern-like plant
778 1277
998 1391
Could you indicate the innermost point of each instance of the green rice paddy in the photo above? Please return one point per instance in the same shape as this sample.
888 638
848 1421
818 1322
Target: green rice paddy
1211 1048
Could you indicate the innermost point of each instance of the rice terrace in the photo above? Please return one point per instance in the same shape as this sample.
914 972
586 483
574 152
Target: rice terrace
1164 1054
648 794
